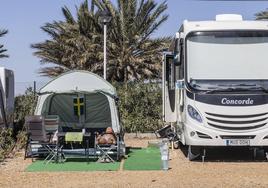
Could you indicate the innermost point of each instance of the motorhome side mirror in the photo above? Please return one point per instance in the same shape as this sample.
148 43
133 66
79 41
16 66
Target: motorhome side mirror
177 59
180 84
177 54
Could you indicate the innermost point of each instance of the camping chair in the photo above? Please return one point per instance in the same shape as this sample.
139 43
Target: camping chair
37 142
51 125
106 151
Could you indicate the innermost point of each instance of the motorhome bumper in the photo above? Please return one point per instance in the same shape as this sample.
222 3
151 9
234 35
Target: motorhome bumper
202 136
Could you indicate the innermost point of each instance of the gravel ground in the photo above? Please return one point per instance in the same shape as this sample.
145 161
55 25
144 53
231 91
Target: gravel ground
223 168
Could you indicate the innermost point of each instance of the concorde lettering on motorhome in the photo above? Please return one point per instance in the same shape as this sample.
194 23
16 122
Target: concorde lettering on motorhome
6 97
215 84
231 101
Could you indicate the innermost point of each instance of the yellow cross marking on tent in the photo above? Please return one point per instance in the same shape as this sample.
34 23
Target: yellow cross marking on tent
79 105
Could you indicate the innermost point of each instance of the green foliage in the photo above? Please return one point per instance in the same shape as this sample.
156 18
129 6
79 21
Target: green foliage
263 15
9 143
2 50
77 41
140 106
24 105
6 142
21 140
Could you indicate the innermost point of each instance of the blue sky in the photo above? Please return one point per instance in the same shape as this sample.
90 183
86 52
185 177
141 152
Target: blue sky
24 18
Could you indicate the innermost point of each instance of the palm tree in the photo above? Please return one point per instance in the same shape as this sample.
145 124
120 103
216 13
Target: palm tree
77 43
263 15
74 44
132 53
2 51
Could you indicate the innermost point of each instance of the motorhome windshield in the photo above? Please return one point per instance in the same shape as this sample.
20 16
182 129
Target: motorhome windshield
228 57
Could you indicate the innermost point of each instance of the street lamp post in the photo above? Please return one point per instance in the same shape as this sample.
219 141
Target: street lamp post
104 18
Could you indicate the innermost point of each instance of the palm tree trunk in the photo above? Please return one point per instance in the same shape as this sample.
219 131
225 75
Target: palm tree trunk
125 74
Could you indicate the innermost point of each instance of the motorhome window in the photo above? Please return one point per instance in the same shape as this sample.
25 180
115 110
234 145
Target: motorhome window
181 70
227 55
170 72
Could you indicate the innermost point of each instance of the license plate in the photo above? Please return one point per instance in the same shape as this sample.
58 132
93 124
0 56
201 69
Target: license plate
235 142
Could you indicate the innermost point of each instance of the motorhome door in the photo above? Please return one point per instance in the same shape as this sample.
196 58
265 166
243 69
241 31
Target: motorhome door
168 88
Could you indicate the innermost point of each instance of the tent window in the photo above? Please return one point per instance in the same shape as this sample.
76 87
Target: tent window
63 106
98 112
78 106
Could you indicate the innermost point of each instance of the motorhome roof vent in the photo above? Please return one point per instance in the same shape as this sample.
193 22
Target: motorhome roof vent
229 17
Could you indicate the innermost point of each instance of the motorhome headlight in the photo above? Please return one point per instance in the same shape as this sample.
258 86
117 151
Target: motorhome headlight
194 114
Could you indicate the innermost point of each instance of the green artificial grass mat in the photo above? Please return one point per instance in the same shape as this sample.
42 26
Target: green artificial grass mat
143 159
40 166
138 159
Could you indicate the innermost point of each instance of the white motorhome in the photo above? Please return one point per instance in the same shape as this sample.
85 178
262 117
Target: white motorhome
215 84
6 97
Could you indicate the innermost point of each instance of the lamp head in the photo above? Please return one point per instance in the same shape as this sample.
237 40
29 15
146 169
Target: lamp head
104 16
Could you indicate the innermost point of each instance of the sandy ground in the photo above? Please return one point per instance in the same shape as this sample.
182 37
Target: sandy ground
233 171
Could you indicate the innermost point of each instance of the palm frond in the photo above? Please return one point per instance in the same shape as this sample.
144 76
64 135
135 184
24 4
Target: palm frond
2 50
68 15
77 42
263 15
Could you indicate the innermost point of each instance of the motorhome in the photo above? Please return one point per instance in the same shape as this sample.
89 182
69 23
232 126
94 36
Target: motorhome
6 97
215 84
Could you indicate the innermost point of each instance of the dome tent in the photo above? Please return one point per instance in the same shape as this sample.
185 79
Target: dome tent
96 98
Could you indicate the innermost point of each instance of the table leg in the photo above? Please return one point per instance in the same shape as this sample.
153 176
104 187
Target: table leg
87 140
57 151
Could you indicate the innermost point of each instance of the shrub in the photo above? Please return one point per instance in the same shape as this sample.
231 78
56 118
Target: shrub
140 106
6 142
24 105
21 140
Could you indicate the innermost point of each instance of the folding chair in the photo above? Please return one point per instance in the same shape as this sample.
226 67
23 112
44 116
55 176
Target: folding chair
51 125
106 151
37 142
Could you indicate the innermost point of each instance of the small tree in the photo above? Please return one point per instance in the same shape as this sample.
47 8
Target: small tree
6 142
140 106
24 105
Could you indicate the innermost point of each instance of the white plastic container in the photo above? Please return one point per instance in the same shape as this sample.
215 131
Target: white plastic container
164 149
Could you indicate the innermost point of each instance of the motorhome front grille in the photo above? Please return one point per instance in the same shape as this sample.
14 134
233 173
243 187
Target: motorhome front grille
237 116
237 122
238 136
237 128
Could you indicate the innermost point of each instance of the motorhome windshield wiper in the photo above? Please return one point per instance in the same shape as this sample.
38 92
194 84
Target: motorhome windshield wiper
236 89
238 85
259 88
254 87
220 90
